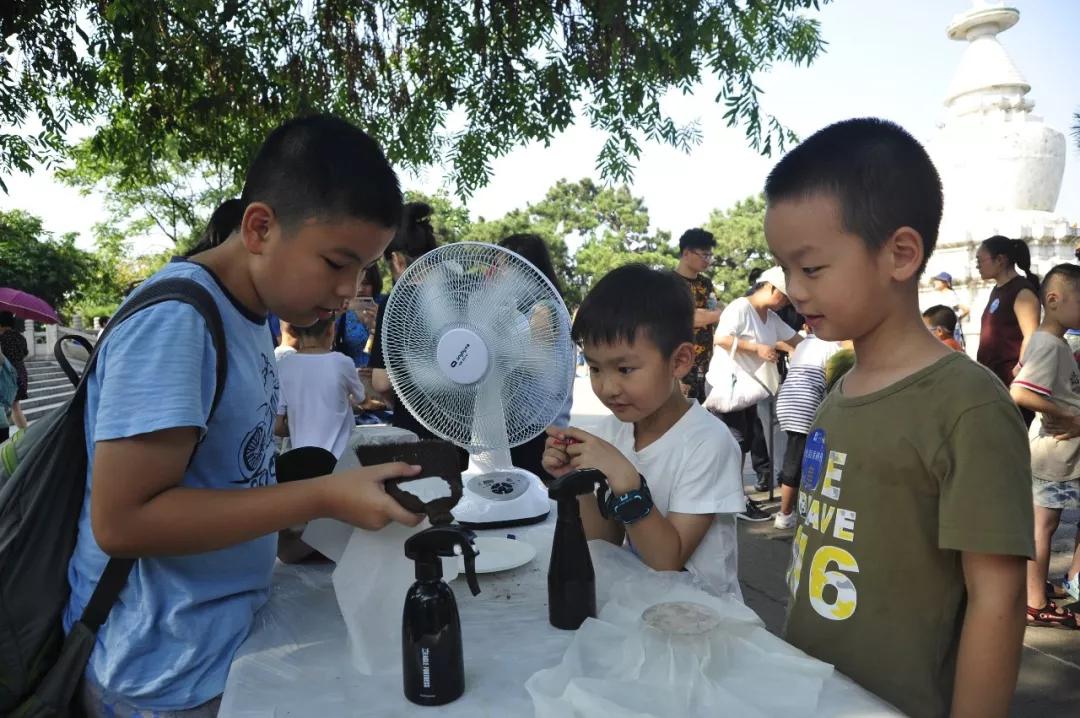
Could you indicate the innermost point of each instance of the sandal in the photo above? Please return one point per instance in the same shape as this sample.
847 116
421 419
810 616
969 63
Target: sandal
1051 615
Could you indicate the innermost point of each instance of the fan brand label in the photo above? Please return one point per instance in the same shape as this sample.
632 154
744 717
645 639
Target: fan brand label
425 662
461 357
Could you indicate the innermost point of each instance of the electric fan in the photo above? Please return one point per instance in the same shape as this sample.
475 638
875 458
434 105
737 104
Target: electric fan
477 346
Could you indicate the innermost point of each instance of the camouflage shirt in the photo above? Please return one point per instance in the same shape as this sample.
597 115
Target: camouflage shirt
701 289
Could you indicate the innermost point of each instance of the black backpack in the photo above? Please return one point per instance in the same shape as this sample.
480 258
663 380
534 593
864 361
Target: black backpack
42 486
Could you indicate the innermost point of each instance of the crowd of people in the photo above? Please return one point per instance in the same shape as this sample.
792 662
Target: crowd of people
914 545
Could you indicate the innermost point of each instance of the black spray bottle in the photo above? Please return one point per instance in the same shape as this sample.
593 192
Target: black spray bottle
571 581
432 662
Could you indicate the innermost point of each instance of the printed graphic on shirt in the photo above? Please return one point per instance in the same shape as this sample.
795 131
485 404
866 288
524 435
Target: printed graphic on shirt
994 305
256 457
702 292
828 582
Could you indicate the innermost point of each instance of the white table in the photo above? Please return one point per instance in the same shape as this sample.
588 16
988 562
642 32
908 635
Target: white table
296 660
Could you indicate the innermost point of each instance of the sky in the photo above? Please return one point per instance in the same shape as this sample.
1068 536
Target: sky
886 58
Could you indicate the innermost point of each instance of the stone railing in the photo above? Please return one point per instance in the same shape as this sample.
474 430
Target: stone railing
41 343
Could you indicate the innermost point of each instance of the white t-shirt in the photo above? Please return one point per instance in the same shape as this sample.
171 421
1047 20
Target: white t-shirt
694 468
315 392
282 351
740 319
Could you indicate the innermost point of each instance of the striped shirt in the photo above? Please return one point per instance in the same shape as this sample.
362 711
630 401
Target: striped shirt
804 389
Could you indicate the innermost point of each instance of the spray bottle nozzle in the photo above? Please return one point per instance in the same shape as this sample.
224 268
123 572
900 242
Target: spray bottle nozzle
429 546
576 483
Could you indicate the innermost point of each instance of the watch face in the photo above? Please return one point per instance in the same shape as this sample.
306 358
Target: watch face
632 507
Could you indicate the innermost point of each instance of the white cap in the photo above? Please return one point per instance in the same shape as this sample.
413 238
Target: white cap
775 277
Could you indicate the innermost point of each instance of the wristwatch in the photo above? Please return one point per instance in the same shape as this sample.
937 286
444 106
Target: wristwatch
629 508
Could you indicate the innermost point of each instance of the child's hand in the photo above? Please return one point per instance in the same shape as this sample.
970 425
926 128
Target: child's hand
585 451
357 496
555 460
1063 428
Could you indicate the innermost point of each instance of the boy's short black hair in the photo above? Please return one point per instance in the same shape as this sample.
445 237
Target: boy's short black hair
1066 272
7 319
696 238
323 167
941 316
635 301
880 175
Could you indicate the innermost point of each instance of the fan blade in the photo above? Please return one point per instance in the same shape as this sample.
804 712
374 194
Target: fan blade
489 416
437 301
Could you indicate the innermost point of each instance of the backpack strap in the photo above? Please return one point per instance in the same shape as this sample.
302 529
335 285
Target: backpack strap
190 292
64 362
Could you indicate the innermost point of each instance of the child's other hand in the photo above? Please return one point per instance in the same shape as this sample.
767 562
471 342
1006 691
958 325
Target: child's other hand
358 497
555 460
586 451
1063 428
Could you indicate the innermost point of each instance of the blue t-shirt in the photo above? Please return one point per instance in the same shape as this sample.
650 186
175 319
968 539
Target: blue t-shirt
170 638
353 338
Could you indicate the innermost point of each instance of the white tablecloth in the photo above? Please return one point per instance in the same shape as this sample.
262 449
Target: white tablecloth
296 660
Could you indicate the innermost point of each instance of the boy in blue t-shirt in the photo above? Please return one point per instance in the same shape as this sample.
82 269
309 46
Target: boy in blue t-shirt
320 204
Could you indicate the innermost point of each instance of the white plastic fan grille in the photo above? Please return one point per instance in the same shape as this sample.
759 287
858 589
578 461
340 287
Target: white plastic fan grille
477 346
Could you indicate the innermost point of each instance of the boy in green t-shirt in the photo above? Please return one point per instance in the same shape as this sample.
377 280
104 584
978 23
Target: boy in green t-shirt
914 509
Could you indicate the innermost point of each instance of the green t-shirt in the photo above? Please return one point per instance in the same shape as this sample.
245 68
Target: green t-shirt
895 484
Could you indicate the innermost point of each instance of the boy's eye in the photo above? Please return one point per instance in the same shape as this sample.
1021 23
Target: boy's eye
333 265
625 369
810 270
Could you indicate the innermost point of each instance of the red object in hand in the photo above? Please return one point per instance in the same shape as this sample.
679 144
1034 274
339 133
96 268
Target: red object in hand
567 441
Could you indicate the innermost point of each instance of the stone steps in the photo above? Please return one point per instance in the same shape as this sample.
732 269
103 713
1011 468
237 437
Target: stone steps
48 388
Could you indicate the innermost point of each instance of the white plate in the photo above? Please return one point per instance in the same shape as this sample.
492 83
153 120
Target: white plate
499 554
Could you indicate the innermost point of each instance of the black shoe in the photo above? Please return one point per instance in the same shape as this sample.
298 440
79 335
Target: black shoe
753 512
762 484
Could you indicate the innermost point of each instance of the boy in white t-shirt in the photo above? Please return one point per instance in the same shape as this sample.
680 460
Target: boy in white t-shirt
672 468
1049 384
319 388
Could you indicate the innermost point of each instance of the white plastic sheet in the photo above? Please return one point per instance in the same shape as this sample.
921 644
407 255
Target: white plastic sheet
617 665
296 662
372 572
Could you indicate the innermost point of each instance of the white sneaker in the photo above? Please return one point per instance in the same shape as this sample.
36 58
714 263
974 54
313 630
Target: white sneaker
784 521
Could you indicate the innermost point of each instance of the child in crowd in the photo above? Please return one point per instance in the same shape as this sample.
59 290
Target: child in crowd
196 502
319 388
672 468
1049 384
941 321
908 562
800 396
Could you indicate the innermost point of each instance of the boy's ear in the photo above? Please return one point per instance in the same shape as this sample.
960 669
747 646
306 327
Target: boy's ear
904 254
256 225
682 360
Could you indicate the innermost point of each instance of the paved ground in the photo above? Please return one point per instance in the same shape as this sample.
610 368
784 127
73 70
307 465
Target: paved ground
1050 672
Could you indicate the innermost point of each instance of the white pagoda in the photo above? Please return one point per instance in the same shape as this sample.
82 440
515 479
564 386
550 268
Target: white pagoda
1001 166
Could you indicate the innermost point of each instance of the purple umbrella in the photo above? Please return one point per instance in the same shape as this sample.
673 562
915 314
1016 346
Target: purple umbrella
27 306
